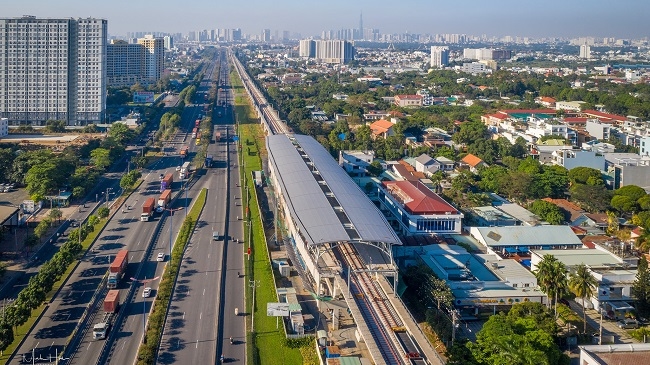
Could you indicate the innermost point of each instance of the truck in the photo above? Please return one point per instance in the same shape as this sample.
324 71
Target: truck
167 182
163 200
208 161
147 209
185 170
217 136
117 268
111 305
184 150
194 132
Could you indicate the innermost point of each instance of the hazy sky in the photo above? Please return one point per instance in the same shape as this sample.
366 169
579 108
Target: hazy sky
556 18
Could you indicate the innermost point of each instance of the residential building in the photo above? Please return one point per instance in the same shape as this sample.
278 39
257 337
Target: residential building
569 105
154 56
475 68
585 51
599 130
623 353
266 35
4 127
427 165
53 69
356 163
334 51
439 56
383 128
644 146
472 162
307 48
406 101
572 157
627 169
168 42
416 209
490 216
124 66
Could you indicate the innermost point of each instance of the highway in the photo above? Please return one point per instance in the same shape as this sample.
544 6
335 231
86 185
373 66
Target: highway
202 313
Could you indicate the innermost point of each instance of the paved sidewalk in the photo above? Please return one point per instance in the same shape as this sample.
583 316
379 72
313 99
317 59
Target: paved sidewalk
609 327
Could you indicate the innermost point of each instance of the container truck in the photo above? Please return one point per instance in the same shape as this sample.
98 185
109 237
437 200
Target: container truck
111 305
167 182
163 200
185 170
147 209
117 268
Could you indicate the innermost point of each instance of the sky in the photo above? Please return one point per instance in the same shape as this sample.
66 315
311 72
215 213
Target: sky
527 18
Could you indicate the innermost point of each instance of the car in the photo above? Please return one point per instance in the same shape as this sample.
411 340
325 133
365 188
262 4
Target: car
162 176
160 257
628 324
216 236
146 293
73 223
178 168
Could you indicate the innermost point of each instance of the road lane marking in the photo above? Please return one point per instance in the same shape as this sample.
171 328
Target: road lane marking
197 344
200 315
204 289
183 315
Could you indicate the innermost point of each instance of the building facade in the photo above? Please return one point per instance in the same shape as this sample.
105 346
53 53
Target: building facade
52 69
4 127
124 66
439 56
307 48
333 51
154 57
417 209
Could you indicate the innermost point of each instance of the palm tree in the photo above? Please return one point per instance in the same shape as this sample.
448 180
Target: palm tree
582 284
551 278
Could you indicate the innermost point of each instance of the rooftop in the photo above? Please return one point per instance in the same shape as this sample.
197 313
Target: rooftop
629 353
526 236
471 160
418 199
593 258
324 201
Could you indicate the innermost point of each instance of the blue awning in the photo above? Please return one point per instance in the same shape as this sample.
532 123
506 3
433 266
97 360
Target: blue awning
511 250
524 249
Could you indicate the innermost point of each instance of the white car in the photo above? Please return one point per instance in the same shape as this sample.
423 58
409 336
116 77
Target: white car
160 257
178 168
146 293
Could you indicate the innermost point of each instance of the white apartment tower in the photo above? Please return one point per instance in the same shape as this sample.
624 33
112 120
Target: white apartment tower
52 69
154 57
439 56
585 51
307 48
334 51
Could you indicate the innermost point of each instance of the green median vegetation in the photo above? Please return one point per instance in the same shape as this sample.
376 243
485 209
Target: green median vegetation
147 351
267 345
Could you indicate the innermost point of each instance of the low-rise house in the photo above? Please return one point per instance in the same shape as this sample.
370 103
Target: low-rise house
406 101
522 239
356 163
382 129
472 162
572 157
624 353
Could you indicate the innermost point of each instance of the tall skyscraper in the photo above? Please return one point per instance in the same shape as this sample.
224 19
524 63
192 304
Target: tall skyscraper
168 41
439 56
266 35
360 34
307 48
124 66
53 69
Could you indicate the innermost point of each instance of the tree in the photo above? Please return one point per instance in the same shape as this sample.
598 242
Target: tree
55 213
120 132
582 284
592 198
547 211
624 204
42 227
103 212
6 334
551 278
632 191
470 132
586 175
641 286
100 158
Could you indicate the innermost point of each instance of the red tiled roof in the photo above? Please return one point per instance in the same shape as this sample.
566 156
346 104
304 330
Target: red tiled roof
575 120
381 126
528 111
563 203
547 99
406 97
418 199
498 116
471 160
581 231
598 114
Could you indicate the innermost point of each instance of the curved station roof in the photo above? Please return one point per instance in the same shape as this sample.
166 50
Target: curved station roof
325 203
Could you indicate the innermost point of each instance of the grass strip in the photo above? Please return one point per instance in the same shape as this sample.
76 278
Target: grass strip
156 321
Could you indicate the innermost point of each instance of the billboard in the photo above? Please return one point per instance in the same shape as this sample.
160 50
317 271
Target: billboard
143 97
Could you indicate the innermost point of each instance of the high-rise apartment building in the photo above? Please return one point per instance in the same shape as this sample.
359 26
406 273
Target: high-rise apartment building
52 69
124 66
334 51
168 42
439 56
266 35
307 48
154 57
585 51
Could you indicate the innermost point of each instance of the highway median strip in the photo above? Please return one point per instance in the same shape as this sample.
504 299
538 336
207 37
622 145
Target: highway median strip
156 320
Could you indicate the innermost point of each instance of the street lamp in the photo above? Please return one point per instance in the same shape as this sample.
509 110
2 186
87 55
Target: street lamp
171 226
253 284
144 303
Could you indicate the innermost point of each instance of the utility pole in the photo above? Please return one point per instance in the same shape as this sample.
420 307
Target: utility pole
600 333
253 284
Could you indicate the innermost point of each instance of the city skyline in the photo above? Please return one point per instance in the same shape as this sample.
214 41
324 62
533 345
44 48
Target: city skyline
309 18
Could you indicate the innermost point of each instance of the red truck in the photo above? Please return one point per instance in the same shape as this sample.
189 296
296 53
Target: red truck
163 200
147 209
111 305
117 268
184 150
166 182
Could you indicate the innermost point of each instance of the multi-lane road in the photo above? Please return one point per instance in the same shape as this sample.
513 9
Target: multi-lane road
202 316
209 266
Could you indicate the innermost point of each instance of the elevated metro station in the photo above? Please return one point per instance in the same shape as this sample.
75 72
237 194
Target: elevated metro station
323 209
